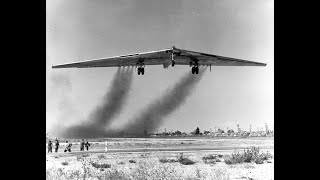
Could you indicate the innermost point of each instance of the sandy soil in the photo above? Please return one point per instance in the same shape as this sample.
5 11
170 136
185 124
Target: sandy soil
148 166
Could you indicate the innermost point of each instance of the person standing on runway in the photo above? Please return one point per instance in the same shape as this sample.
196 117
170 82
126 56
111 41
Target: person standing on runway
82 145
49 146
56 145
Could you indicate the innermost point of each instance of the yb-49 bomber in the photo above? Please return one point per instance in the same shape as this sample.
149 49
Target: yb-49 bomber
166 57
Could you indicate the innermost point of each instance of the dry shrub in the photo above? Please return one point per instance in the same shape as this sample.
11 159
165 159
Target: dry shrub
184 160
86 172
210 159
249 155
97 165
132 161
209 156
64 163
114 175
165 160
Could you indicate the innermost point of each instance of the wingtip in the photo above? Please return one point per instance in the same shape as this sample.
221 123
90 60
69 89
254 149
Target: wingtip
55 66
262 64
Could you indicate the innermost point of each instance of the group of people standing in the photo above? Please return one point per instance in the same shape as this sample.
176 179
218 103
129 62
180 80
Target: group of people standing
68 146
86 144
56 146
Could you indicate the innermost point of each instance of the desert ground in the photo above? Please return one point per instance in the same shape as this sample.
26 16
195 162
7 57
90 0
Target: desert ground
157 158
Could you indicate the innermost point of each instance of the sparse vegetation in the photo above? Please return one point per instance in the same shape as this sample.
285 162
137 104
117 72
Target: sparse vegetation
114 175
180 158
209 156
210 159
249 155
184 160
158 165
97 165
165 160
152 170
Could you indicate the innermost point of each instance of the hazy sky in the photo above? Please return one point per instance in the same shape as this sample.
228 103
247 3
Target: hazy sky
80 30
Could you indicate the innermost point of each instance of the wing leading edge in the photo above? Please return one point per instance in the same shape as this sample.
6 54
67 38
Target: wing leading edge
163 57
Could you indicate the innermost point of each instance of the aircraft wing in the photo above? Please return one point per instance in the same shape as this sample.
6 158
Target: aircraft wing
147 58
184 57
165 57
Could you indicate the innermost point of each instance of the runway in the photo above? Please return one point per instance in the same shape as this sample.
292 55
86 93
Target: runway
221 150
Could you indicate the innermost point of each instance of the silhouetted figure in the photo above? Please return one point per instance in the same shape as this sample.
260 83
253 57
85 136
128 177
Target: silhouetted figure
68 147
82 145
49 146
197 131
87 144
56 145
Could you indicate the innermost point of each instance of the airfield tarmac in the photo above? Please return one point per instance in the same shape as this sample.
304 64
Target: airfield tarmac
146 152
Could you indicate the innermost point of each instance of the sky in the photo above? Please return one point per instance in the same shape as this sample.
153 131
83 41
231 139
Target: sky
80 30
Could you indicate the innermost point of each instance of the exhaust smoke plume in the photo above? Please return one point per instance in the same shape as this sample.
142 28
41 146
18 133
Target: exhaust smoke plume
155 113
102 116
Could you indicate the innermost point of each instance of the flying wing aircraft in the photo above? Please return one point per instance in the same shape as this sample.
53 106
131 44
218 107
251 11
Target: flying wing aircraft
166 57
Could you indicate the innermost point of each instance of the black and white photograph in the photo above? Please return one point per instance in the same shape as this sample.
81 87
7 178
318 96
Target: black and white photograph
160 89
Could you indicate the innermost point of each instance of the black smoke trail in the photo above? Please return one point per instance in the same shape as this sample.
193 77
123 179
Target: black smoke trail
155 113
111 105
